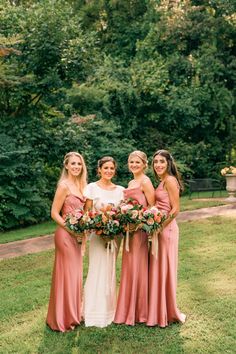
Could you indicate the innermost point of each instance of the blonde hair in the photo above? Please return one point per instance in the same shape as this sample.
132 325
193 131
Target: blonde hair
82 178
141 155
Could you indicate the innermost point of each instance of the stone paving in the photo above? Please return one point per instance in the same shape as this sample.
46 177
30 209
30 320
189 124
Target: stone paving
43 243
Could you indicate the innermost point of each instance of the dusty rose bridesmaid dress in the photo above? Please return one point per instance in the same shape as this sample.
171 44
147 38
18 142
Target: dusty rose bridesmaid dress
132 305
162 307
64 309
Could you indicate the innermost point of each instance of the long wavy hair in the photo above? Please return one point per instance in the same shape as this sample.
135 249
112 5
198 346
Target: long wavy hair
82 178
171 167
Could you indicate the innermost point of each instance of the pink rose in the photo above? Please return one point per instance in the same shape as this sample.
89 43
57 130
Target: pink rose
112 213
79 214
125 208
154 210
146 213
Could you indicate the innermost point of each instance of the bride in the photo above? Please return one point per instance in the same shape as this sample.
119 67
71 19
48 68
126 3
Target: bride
100 285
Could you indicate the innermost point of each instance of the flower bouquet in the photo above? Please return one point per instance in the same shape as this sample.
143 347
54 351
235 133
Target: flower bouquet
106 223
152 221
75 221
130 217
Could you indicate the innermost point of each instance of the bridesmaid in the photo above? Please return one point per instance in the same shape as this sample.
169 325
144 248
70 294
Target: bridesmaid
100 285
64 310
132 305
162 309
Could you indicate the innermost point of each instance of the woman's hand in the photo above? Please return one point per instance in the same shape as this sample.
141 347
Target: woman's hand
79 236
132 227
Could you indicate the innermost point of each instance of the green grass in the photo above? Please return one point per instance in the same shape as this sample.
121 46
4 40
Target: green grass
187 204
49 226
206 293
42 229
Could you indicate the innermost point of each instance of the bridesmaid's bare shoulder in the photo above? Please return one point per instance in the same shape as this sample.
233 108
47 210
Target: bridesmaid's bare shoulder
62 187
171 182
145 180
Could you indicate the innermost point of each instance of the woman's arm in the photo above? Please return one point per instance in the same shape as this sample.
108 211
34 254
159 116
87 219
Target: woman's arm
149 191
171 185
57 204
88 204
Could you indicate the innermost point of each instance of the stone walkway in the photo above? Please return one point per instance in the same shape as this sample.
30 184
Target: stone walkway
43 243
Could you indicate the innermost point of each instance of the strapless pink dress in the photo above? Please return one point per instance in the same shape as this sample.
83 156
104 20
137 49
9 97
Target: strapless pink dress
162 307
132 304
65 304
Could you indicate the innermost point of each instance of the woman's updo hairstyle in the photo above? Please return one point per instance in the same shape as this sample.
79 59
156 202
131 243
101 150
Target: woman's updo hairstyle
141 155
105 159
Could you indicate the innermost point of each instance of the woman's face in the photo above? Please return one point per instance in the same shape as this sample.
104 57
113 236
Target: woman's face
160 165
136 165
74 166
107 171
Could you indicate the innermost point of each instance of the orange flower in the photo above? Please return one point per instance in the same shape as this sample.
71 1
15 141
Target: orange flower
228 170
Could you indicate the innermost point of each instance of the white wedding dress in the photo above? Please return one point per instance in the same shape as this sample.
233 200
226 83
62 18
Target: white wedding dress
100 285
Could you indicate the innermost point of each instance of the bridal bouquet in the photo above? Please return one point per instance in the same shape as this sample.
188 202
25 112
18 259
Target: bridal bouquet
106 222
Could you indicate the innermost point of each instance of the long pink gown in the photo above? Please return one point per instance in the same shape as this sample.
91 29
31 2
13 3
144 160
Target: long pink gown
162 307
132 305
65 304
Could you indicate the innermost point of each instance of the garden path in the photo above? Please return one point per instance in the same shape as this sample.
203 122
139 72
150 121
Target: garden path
43 243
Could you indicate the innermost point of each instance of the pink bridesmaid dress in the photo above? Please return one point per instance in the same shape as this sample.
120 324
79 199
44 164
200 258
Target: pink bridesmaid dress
132 305
162 307
64 309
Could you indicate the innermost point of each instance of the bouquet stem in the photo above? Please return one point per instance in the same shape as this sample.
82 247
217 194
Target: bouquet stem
155 244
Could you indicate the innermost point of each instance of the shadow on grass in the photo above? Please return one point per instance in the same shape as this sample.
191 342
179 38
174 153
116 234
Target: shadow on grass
114 339
58 342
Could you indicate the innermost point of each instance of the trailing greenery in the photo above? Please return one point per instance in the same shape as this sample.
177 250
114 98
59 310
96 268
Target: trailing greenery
108 77
206 293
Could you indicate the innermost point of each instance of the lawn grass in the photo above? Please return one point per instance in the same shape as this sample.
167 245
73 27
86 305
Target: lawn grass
49 226
41 229
187 204
206 293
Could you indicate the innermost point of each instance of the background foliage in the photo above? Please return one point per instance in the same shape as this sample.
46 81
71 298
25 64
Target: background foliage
107 77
